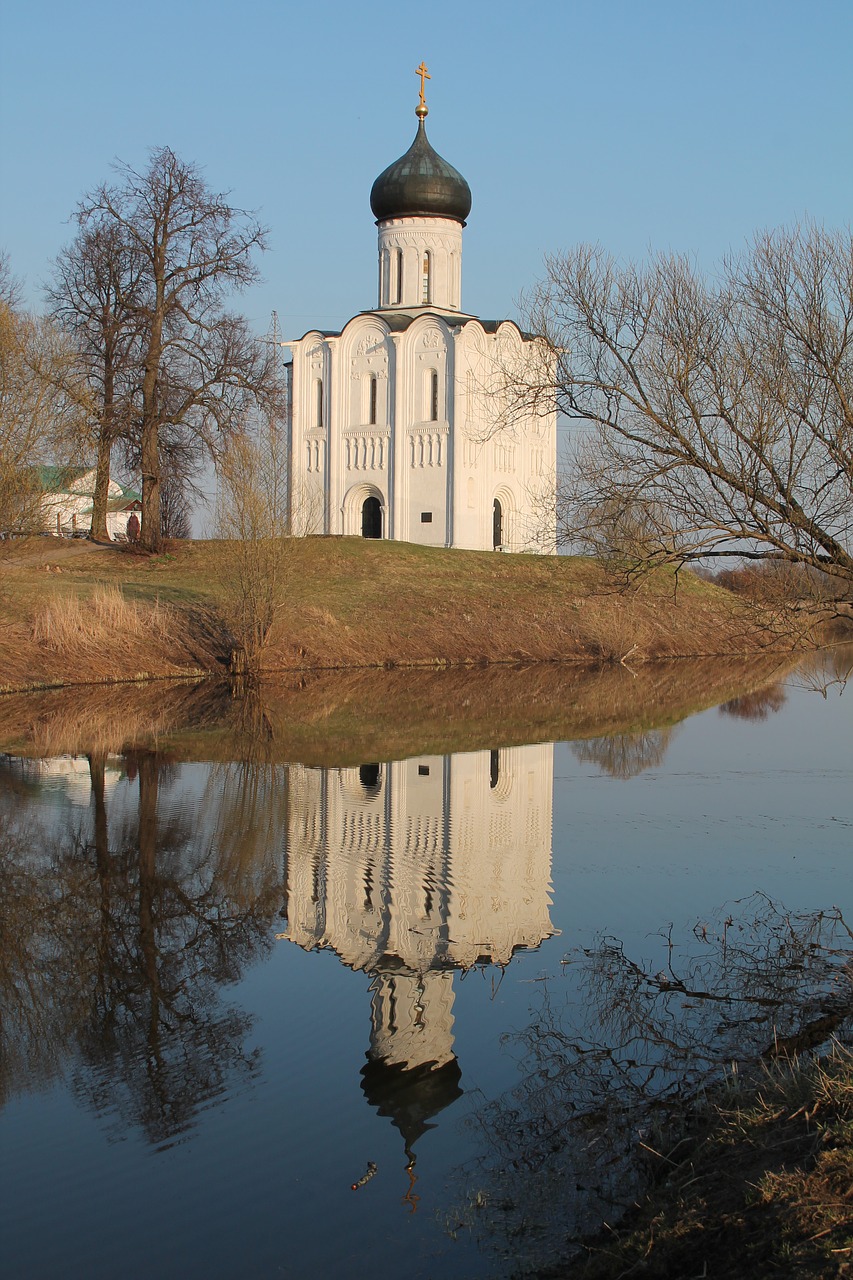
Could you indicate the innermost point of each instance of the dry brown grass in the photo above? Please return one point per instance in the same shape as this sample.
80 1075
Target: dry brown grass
764 1188
105 623
353 603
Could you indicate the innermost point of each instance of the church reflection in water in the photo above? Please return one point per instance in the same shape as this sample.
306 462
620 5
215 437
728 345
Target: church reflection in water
411 871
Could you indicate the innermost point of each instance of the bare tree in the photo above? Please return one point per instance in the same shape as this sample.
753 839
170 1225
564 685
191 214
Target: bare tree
175 519
200 368
96 295
715 418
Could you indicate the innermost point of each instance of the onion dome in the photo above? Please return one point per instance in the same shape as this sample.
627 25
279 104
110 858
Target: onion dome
420 184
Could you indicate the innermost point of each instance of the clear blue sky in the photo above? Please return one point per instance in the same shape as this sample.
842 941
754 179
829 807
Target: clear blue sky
642 125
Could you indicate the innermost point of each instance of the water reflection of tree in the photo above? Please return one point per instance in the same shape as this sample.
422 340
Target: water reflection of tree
624 755
250 804
42 1001
135 932
606 1064
758 705
827 670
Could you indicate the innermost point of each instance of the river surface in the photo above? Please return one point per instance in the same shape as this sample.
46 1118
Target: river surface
271 1019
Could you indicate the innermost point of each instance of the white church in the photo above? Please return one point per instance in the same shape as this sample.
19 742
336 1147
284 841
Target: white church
400 424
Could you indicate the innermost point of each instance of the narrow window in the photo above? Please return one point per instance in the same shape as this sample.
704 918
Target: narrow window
399 276
433 397
373 398
319 402
425 290
497 525
494 769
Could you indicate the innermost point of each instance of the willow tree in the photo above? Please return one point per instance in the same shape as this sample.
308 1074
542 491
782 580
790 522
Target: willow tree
199 367
714 417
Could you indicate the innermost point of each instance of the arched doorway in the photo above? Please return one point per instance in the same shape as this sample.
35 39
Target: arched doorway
371 518
497 525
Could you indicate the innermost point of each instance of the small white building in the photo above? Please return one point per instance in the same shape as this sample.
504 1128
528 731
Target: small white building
66 504
402 424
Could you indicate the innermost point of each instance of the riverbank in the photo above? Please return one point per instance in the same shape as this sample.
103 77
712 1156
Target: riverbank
758 1184
76 613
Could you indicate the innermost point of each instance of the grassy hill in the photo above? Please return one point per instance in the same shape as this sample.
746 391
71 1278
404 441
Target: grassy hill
71 612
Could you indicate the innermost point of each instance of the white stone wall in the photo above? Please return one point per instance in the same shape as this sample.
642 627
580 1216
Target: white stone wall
403 245
447 454
502 449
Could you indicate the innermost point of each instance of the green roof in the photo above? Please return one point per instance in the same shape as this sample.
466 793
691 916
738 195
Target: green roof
59 479
54 479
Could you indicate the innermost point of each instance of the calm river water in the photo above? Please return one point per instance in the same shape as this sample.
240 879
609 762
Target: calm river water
232 990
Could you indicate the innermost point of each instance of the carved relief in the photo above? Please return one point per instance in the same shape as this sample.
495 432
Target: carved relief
370 343
365 451
426 448
504 456
315 456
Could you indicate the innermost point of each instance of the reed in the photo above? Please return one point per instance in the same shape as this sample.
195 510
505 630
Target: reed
104 623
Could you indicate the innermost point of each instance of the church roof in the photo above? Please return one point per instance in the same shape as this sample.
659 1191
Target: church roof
398 321
421 184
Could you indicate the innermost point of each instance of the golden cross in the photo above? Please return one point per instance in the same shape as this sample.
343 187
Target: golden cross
424 75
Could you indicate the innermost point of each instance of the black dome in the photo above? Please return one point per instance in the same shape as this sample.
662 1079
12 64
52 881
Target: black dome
420 185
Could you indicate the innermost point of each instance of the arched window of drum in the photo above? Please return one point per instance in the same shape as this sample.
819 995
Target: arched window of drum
433 396
318 392
373 397
399 275
425 282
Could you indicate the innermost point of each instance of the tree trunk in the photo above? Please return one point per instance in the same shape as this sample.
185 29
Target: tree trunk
99 531
150 536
